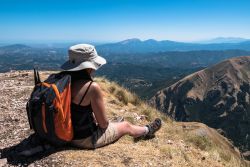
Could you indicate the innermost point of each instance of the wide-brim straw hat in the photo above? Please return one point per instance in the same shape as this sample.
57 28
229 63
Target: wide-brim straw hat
83 56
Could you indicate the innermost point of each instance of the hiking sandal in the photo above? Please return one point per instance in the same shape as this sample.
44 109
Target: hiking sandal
153 127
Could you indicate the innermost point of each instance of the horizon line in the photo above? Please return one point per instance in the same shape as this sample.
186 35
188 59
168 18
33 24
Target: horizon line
64 41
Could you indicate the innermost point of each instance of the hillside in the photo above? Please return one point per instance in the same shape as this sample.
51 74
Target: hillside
217 96
176 144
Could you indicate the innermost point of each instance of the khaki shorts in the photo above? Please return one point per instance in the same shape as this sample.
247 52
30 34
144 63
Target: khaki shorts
100 137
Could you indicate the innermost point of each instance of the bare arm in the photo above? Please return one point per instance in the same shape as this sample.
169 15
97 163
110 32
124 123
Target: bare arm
97 105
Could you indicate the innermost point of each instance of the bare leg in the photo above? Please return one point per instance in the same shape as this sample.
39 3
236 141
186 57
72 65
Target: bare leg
124 128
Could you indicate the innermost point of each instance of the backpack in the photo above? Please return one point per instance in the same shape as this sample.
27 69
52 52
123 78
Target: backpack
48 108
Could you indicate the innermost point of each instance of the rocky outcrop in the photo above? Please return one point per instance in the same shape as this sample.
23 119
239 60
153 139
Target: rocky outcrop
176 144
218 96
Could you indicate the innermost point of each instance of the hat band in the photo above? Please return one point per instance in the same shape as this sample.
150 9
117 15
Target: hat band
77 58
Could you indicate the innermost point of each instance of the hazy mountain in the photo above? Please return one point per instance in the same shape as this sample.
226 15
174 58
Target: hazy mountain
218 96
137 46
151 45
14 48
224 40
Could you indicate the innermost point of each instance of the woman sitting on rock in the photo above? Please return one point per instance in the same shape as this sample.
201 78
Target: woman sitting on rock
92 129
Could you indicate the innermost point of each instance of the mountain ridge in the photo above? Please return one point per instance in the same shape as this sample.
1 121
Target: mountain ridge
217 96
224 40
135 45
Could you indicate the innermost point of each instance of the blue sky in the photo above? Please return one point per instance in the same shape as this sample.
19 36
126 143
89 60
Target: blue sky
114 20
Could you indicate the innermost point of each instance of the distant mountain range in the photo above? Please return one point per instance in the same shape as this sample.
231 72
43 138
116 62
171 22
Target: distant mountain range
224 40
135 45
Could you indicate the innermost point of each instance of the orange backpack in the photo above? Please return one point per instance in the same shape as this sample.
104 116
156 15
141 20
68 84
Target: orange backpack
48 108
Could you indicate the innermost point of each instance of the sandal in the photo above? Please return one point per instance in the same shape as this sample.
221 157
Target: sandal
153 127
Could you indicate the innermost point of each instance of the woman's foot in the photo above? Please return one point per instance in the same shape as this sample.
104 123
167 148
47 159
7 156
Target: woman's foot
153 127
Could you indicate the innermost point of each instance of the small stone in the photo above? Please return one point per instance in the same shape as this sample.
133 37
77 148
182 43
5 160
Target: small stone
3 162
169 142
31 165
16 119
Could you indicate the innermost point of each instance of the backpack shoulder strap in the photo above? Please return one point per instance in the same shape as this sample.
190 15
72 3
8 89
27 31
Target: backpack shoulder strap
85 93
36 77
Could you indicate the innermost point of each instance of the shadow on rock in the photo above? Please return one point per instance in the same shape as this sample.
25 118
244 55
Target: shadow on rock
29 150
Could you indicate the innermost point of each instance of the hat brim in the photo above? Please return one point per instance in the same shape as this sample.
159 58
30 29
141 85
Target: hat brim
95 64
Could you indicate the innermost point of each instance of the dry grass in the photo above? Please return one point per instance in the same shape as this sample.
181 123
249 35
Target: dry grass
201 142
120 93
173 145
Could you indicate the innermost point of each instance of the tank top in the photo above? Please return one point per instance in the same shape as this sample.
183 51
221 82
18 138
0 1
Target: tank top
82 119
